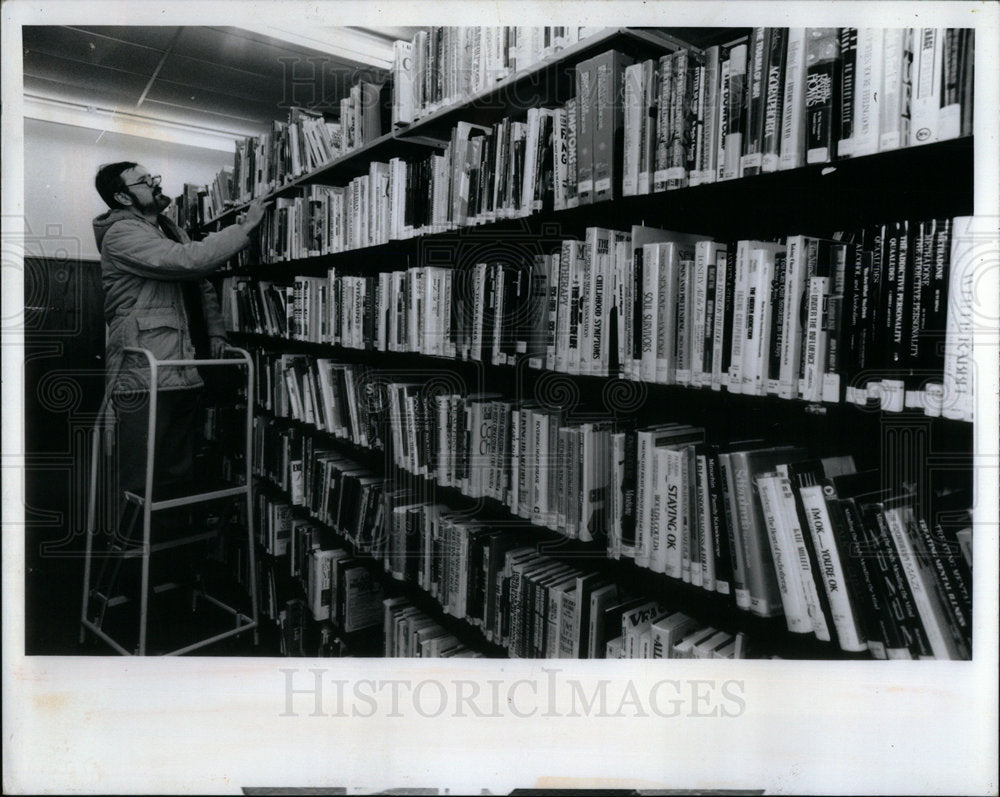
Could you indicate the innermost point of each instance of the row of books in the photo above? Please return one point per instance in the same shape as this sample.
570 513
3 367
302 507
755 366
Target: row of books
776 99
192 208
482 175
337 586
783 97
443 66
880 316
347 401
840 554
302 145
409 632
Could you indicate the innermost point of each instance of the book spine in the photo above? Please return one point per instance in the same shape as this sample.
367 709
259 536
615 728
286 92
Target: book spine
585 119
633 129
958 397
848 77
736 511
815 344
927 64
821 101
683 335
736 112
773 110
645 464
924 596
722 566
845 620
793 598
710 117
664 123
793 120
609 71
752 158
868 85
741 280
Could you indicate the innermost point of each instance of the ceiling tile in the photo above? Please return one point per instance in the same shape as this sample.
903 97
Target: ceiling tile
73 74
157 37
88 48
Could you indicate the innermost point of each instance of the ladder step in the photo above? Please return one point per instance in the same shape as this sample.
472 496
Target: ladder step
187 500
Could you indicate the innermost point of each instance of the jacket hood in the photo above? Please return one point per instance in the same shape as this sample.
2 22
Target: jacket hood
104 222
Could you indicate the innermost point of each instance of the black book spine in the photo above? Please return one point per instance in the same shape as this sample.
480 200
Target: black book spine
773 110
777 314
904 296
848 75
637 301
711 272
727 330
896 585
955 598
860 588
967 57
720 536
937 301
854 293
881 290
822 89
757 58
628 490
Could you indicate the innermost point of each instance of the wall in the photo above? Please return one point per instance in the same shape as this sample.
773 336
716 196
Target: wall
60 162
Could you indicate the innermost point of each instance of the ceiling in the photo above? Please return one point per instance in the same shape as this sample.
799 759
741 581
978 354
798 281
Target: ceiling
229 80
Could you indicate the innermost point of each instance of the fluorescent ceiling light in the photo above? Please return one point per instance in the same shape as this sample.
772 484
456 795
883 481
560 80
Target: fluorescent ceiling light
348 44
48 109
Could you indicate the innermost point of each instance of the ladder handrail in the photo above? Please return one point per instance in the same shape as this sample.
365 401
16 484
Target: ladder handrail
243 358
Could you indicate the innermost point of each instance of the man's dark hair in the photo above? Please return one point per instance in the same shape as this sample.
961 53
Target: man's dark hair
109 181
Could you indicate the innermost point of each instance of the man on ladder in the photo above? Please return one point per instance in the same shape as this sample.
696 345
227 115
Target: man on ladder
159 307
156 297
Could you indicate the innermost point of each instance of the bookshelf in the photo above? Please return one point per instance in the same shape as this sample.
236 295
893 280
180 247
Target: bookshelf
930 181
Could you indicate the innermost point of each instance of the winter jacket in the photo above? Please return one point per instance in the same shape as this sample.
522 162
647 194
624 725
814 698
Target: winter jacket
141 271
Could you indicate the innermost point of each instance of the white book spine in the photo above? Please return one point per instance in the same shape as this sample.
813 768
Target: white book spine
718 332
927 63
667 269
563 310
795 270
650 307
706 535
793 120
969 258
890 97
513 496
645 463
792 596
740 285
702 253
815 353
797 541
632 129
868 72
685 307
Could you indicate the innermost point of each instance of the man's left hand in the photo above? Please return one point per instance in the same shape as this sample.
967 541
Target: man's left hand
219 348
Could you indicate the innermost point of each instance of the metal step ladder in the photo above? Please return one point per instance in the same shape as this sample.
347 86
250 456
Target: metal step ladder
99 594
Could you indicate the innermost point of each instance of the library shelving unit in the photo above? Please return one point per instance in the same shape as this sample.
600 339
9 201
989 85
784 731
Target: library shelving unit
922 182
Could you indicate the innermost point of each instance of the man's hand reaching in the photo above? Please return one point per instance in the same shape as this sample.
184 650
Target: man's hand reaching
254 214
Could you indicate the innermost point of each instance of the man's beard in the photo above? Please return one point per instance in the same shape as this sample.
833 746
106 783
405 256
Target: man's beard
158 203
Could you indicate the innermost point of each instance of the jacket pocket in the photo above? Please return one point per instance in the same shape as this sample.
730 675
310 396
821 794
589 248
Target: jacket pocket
161 333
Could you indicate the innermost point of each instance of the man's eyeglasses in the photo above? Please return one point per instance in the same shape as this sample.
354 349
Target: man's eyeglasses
148 181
